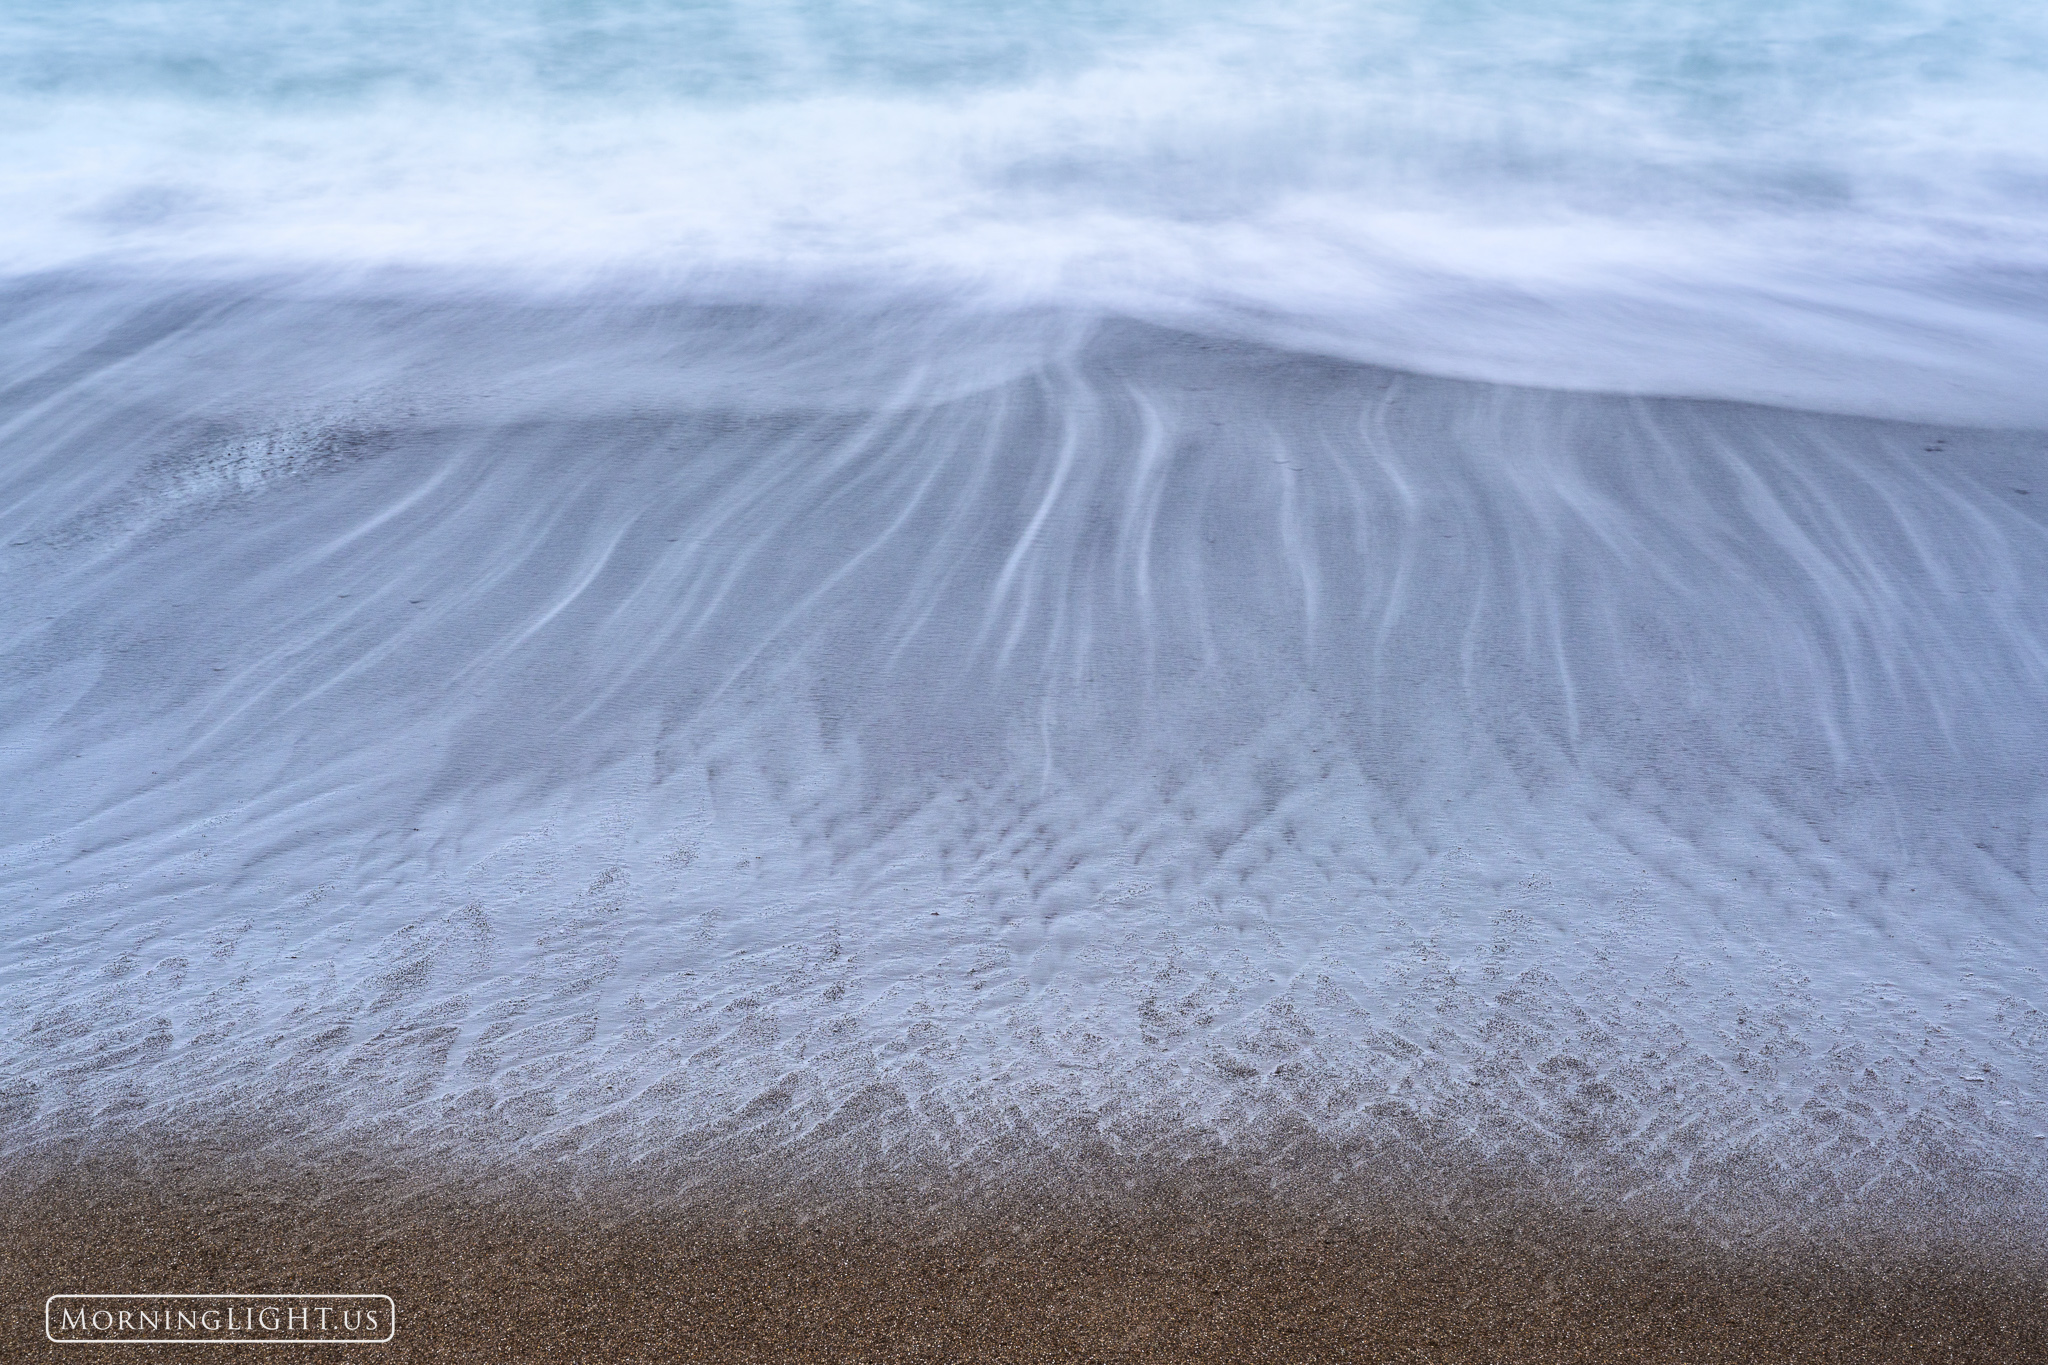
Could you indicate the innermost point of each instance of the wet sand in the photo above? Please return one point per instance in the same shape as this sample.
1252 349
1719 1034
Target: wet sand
1193 1263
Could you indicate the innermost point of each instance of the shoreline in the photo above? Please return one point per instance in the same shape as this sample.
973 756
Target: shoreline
1312 957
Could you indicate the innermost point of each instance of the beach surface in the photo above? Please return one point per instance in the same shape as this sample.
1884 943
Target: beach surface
1097 1260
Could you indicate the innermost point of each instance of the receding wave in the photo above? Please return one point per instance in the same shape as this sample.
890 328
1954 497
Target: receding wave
640 723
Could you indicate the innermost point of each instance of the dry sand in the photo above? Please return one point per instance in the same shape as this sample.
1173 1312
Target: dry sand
1197 1262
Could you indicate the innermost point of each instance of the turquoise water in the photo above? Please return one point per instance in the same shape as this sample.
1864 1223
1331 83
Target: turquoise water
1825 205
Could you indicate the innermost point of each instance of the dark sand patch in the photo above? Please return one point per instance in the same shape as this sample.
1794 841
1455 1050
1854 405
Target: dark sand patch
1202 1263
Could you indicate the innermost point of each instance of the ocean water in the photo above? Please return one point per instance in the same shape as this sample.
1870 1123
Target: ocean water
1817 205
617 577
